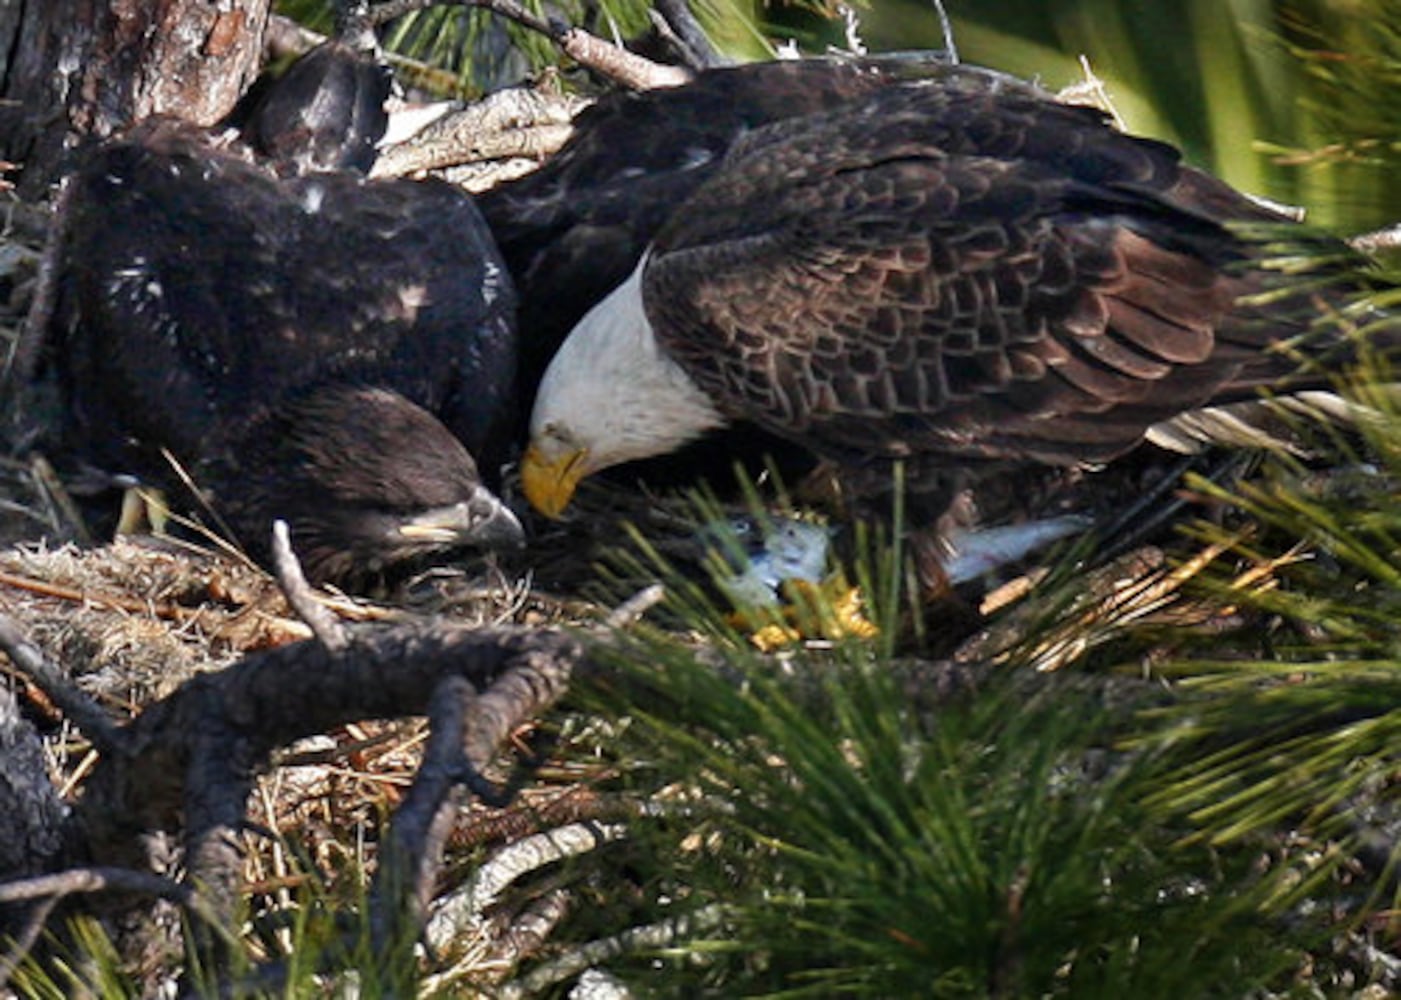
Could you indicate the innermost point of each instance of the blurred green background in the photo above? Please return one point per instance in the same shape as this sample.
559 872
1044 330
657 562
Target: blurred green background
1295 100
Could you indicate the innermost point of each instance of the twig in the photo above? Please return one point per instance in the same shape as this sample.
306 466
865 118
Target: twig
463 911
535 142
413 850
516 122
99 879
84 712
619 64
324 625
636 606
575 803
20 367
47 478
529 929
588 50
851 30
686 33
284 37
51 889
23 941
650 936
382 13
946 27
599 984
111 601
1378 239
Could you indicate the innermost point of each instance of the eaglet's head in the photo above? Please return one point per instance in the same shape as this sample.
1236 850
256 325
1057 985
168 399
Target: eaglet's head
611 395
365 480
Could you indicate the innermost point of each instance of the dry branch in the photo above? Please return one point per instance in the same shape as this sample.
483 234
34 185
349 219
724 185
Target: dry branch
464 911
49 890
272 699
674 20
652 936
322 621
619 64
516 122
412 854
588 50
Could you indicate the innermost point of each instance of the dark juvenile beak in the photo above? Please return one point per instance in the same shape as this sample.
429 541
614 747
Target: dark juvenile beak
482 522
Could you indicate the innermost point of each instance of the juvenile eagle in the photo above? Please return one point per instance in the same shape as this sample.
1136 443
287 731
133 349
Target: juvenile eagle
957 272
323 349
325 112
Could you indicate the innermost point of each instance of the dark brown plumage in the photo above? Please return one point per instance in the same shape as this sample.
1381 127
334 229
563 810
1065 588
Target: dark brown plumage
325 112
365 479
961 268
323 348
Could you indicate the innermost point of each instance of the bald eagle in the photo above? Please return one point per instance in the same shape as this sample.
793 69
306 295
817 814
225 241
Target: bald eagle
332 351
956 272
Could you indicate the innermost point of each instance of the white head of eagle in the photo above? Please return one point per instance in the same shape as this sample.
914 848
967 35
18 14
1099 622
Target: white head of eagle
611 395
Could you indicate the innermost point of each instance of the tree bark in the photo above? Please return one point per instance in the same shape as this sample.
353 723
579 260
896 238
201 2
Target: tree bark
73 69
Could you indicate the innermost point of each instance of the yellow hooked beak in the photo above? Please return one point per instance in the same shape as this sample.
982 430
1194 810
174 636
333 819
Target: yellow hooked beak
549 483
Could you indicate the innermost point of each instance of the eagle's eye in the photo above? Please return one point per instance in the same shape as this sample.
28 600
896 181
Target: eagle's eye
555 432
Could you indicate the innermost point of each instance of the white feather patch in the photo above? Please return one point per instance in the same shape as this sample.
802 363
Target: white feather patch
612 390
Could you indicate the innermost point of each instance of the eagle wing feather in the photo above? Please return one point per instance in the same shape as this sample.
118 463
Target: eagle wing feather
223 288
954 270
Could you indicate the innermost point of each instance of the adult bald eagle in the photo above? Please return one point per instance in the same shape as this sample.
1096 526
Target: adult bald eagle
957 272
324 349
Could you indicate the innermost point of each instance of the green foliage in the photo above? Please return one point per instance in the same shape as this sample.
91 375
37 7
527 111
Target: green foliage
476 51
1290 99
1095 834
88 966
871 834
1313 730
872 842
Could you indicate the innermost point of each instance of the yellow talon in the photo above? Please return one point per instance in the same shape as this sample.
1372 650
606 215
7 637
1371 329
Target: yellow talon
829 610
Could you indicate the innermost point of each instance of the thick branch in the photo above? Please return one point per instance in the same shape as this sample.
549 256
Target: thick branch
31 823
412 854
517 122
197 751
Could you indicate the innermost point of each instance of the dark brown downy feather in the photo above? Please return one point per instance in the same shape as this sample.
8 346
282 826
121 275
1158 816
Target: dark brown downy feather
321 348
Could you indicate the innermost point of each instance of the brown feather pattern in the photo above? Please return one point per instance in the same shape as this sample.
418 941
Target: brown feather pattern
960 269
